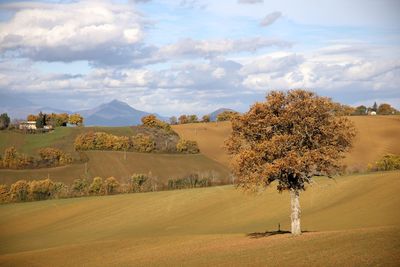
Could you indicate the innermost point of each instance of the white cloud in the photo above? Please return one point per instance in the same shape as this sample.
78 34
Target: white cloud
87 30
206 48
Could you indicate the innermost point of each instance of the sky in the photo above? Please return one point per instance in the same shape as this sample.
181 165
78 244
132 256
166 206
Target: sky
195 56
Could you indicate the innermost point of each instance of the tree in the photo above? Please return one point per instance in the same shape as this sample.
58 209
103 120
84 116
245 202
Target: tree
385 109
57 120
374 107
206 118
111 186
227 115
183 119
76 119
173 120
40 120
360 110
192 119
152 122
4 121
187 146
289 138
31 117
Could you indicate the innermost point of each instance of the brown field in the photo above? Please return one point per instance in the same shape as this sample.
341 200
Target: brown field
376 136
111 163
352 221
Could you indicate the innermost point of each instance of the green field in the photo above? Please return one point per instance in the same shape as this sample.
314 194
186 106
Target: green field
352 221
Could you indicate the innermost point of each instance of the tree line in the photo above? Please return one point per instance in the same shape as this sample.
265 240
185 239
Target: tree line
184 119
44 189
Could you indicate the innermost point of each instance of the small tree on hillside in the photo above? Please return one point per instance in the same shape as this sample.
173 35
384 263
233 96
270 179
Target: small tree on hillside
41 120
192 118
173 120
227 115
385 109
206 118
183 119
360 110
374 107
289 138
76 119
4 121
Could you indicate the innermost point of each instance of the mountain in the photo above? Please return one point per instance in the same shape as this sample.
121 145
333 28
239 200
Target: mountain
214 114
114 113
19 107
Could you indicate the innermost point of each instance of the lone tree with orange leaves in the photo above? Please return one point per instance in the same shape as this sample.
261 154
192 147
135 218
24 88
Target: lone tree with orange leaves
290 138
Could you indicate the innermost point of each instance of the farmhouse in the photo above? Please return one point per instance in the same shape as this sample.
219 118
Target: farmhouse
31 125
27 125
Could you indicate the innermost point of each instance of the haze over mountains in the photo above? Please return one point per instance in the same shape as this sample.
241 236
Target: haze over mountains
114 113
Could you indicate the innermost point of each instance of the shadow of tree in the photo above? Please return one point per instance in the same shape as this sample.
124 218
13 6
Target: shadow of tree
271 233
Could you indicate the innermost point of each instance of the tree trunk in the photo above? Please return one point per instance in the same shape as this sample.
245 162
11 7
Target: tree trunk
295 216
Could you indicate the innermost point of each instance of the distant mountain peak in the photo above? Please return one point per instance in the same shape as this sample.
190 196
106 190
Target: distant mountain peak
114 113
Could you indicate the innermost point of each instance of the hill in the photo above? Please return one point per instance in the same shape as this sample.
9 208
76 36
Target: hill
376 136
351 221
104 163
114 113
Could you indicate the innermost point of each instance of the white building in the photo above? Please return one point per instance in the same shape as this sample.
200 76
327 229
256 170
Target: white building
27 125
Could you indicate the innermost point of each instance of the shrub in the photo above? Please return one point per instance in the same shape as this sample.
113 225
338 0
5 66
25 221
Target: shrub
19 191
54 157
191 181
143 143
389 162
102 141
137 183
187 146
111 186
4 193
14 160
152 122
60 190
96 187
80 187
41 189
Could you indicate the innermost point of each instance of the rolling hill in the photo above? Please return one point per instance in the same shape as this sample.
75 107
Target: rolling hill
350 221
104 163
376 136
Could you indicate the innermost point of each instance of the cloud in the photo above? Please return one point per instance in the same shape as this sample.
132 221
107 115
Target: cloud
207 48
192 4
250 1
87 30
270 19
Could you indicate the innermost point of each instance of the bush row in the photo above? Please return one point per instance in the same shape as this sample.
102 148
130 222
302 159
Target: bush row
138 143
35 190
49 157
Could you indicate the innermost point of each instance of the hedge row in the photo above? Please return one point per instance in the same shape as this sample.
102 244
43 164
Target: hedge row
23 190
138 143
49 157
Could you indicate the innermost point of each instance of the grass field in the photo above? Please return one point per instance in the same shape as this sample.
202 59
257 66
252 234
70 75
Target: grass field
376 136
353 221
